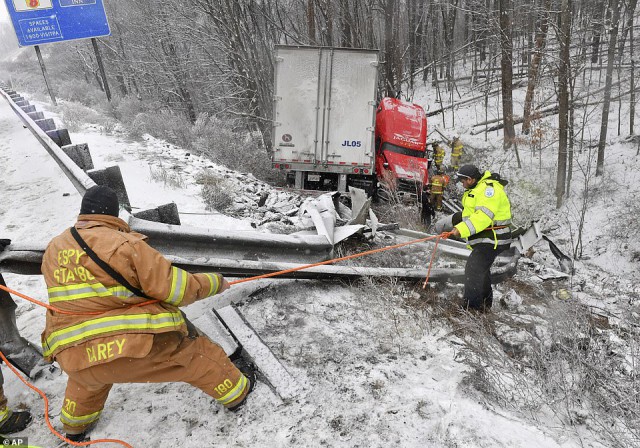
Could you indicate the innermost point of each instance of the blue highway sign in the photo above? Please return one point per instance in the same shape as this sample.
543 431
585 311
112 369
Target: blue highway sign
46 21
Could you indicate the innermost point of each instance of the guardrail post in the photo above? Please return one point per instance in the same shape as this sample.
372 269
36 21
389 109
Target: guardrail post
167 214
46 124
80 155
36 115
112 178
60 136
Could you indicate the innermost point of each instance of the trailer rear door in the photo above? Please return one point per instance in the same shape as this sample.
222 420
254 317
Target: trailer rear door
324 108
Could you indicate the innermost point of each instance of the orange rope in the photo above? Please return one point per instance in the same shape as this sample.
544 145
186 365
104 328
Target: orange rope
335 260
444 236
46 305
46 412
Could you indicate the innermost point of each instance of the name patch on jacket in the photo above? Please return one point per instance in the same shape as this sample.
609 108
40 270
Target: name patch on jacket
66 273
103 351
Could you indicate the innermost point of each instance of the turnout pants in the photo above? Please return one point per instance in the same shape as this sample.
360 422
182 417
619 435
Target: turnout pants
478 294
173 358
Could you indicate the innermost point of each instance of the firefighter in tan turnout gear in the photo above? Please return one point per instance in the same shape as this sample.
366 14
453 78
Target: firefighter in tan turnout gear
104 334
457 150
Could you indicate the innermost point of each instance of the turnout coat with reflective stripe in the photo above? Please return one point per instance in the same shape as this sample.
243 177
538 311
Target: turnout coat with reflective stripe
486 205
76 284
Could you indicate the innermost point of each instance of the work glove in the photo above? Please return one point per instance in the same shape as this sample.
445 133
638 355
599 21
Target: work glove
444 224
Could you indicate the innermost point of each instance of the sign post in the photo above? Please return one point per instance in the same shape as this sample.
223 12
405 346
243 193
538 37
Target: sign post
44 74
39 22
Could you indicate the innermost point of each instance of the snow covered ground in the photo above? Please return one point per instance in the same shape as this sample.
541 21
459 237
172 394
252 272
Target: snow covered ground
382 363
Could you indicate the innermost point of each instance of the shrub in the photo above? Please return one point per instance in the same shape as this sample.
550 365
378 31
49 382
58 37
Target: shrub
215 192
75 115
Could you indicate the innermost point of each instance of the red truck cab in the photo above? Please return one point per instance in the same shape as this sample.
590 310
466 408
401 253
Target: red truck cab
401 147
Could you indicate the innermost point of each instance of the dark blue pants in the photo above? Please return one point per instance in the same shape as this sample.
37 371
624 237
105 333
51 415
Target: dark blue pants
478 294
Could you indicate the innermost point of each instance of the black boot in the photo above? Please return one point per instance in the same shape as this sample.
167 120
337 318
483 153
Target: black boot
82 437
16 422
248 369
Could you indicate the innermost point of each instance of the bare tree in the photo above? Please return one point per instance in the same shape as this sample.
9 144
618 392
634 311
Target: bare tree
615 20
311 22
564 37
389 48
534 69
506 45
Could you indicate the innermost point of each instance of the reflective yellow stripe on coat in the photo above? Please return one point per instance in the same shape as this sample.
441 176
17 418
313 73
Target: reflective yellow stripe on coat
178 286
103 325
84 291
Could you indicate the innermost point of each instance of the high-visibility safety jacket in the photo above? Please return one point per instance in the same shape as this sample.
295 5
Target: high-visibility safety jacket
100 307
486 213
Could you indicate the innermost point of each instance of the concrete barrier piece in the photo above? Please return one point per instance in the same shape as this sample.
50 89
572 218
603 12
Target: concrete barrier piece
29 108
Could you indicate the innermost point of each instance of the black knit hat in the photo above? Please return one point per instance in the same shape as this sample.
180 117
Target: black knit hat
470 171
100 200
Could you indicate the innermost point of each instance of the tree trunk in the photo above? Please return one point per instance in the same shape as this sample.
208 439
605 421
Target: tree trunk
564 38
615 19
346 22
506 45
389 48
311 22
632 99
534 70
598 20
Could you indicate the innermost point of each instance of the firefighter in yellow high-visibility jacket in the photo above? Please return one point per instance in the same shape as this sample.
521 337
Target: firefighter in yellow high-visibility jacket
101 333
485 223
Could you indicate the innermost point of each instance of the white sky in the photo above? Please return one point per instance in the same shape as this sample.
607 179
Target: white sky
4 15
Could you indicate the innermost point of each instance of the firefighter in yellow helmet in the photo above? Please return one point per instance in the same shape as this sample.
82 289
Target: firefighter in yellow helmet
484 222
438 183
104 333
457 150
438 155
